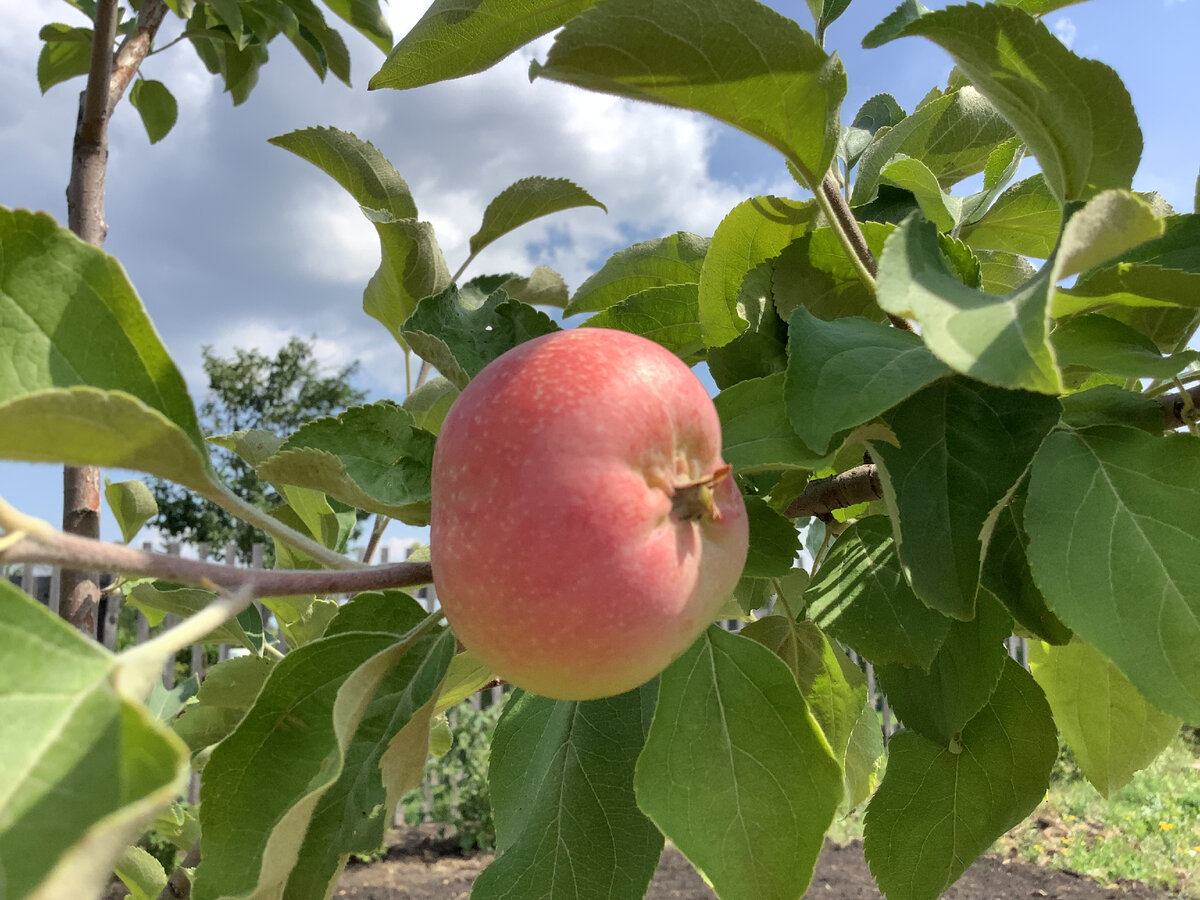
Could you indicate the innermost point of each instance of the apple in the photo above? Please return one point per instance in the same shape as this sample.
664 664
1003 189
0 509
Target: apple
584 529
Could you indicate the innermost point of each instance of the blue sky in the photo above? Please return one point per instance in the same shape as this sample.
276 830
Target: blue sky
234 243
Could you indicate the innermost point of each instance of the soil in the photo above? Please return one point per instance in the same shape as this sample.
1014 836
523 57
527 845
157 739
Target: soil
420 866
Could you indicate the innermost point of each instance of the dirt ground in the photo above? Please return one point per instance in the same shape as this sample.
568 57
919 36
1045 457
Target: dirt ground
419 868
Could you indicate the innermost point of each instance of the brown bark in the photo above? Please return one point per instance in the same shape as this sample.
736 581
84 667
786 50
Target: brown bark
108 77
823 495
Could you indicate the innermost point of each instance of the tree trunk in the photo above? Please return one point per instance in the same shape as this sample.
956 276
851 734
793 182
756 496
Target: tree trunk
79 593
108 77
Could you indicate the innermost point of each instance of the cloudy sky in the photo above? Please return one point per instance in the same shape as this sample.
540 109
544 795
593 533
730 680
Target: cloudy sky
232 242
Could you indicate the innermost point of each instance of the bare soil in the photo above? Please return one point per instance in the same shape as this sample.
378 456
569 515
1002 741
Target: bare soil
421 866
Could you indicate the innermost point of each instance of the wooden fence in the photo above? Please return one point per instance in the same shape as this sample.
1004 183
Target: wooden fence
43 586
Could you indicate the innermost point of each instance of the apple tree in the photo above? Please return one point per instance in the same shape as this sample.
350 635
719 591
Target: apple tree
976 404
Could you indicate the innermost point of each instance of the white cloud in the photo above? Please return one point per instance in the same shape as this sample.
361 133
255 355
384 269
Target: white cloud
1065 29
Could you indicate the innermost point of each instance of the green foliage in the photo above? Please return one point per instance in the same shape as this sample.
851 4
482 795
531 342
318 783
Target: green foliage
250 391
457 779
1033 477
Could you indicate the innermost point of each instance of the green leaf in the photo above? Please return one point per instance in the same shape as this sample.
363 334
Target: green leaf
156 105
1007 577
543 287
461 37
67 732
227 692
1111 729
88 426
155 602
254 445
459 338
300 727
755 433
372 457
357 809
863 756
1108 404
668 315
66 54
834 688
938 807
753 231
412 268
1114 532
774 541
132 505
1101 344
860 597
844 373
526 200
1026 219
1002 165
1037 7
463 678
814 272
72 318
738 61
952 136
761 349
960 679
826 11
881 111
1000 339
914 176
1165 270
429 403
966 443
1001 272
1074 114
367 18
674 259
141 873
747 797
356 165
1108 225
561 780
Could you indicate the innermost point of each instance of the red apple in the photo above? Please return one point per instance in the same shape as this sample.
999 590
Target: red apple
585 529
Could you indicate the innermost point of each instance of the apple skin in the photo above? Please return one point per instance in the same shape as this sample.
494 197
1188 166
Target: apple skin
562 553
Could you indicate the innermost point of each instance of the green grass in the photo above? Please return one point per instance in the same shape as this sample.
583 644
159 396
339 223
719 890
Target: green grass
1148 831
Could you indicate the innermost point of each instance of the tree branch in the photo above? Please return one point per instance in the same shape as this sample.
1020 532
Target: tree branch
847 227
823 495
71 550
134 49
1174 405
79 592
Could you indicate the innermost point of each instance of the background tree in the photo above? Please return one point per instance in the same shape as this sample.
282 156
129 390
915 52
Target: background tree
250 390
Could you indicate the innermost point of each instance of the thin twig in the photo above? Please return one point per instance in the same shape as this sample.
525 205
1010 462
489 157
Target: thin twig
381 524
846 227
1175 405
68 550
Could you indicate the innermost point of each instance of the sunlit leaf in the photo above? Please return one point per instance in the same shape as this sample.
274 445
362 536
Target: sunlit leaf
1114 539
746 797
461 37
737 60
939 807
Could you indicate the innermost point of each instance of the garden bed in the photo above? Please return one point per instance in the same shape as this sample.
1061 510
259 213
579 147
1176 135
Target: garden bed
420 866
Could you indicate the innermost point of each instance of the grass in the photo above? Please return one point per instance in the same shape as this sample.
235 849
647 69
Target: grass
1148 831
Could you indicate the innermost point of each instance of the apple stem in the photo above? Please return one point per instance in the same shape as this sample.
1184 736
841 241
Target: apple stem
694 500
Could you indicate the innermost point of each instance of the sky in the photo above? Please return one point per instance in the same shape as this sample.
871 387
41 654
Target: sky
234 243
